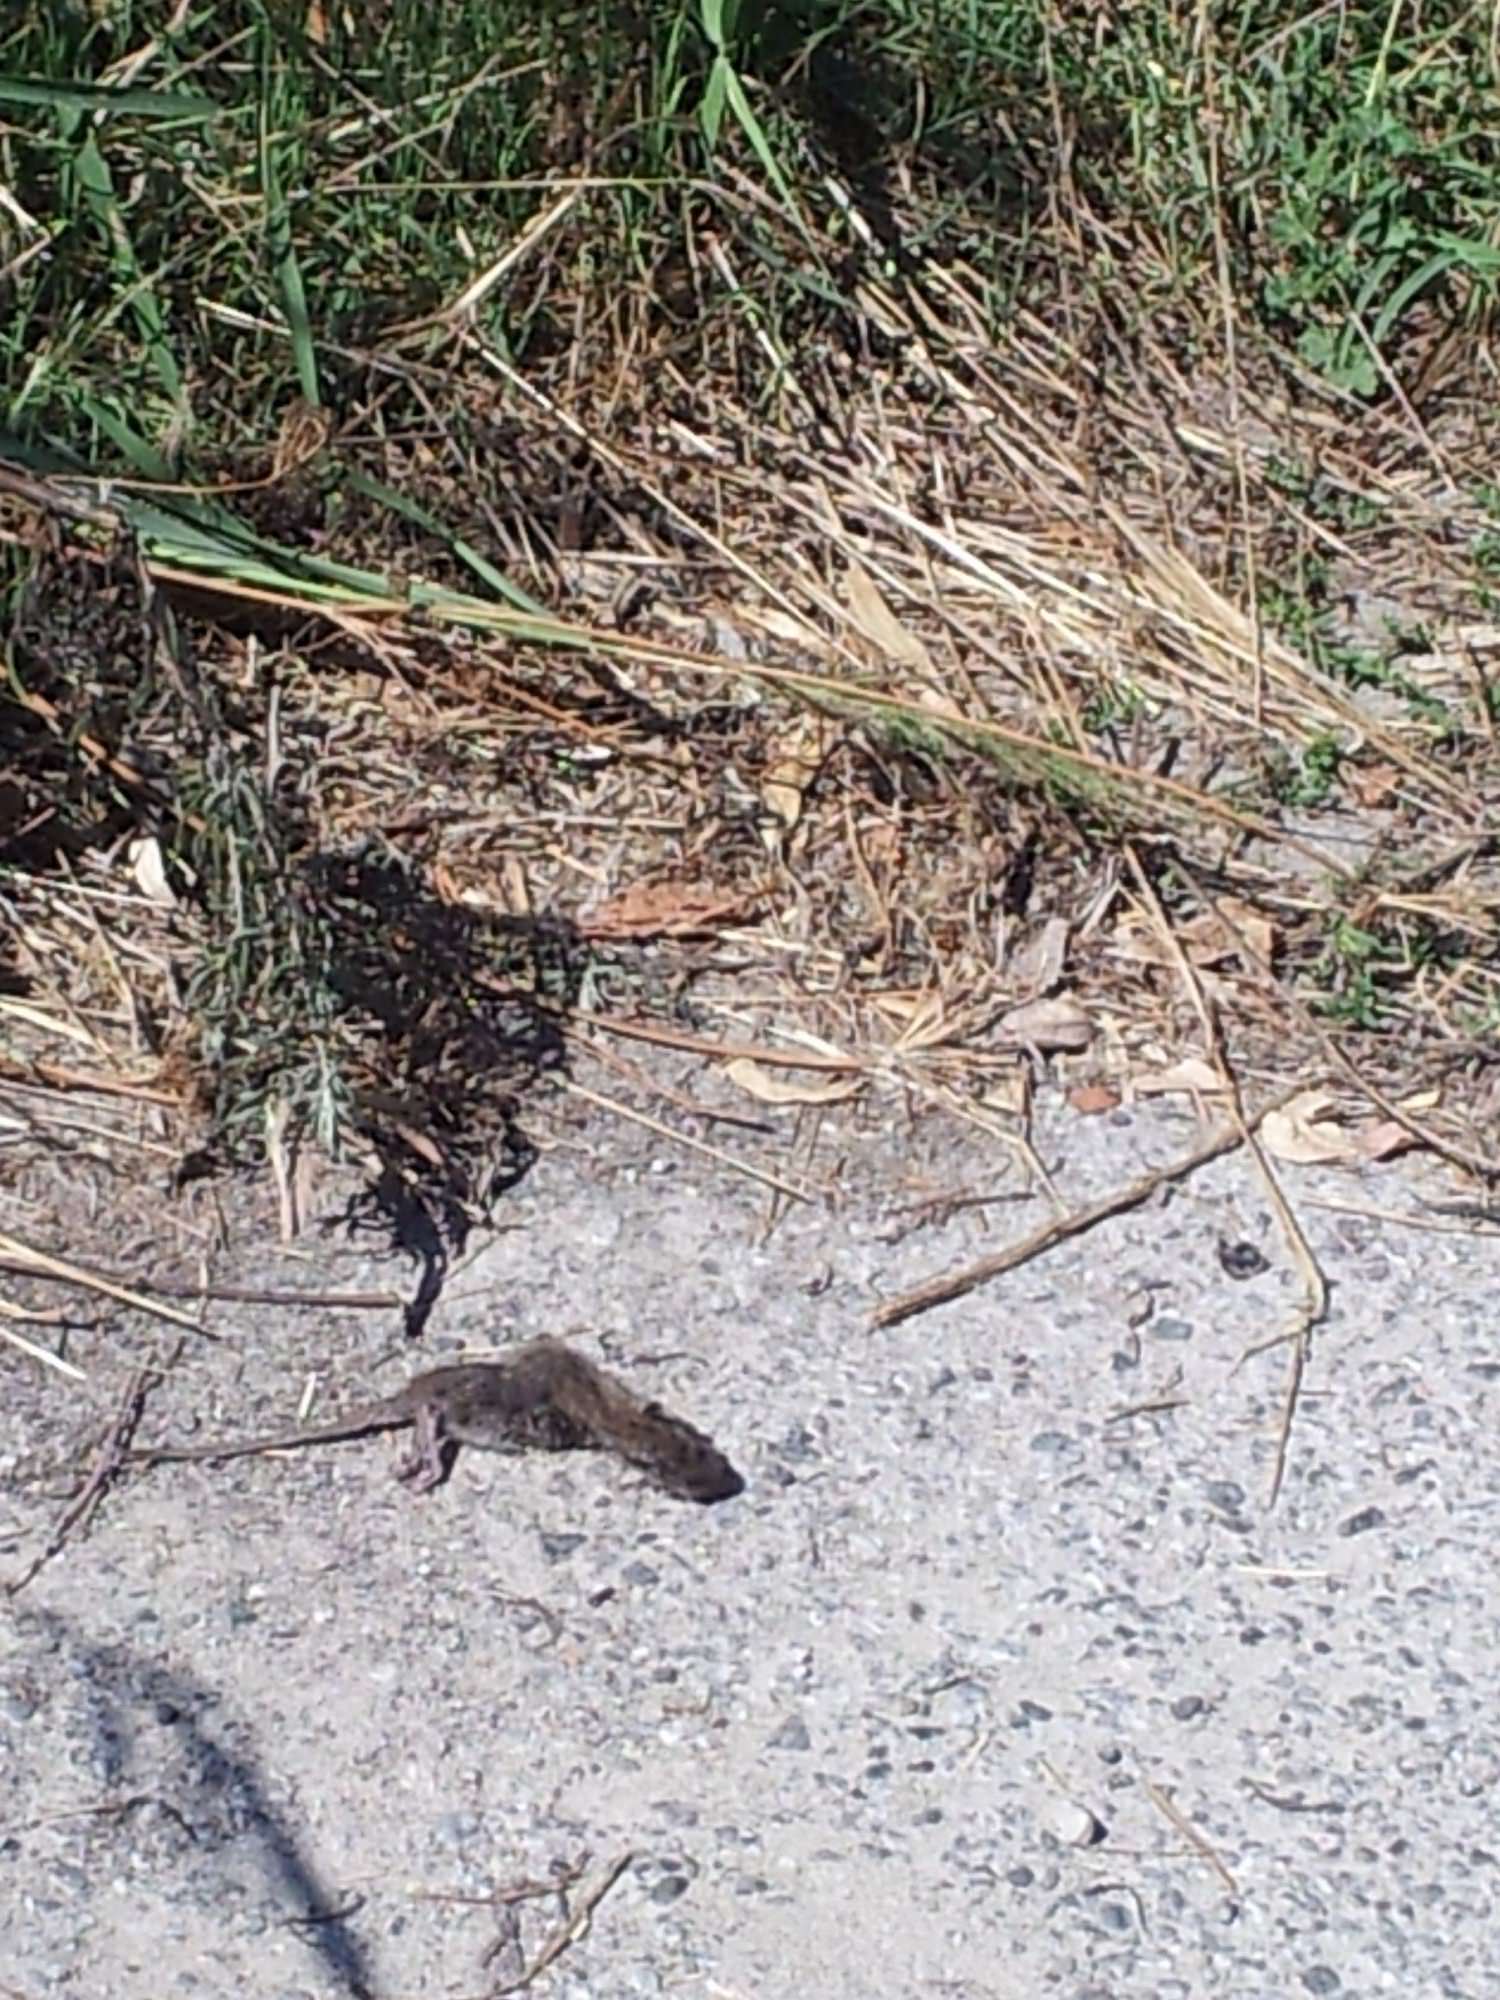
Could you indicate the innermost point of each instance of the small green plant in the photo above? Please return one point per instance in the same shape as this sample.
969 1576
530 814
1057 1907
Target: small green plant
1347 970
1364 967
1484 551
1383 189
1309 776
1302 613
1114 705
1319 498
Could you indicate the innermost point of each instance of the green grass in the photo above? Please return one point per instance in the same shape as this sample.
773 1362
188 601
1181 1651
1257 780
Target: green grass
752 215
223 230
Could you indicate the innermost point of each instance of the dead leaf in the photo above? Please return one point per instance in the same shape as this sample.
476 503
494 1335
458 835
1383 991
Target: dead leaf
669 909
1370 784
150 873
1205 939
1039 963
1010 1094
1385 1140
1054 1025
1091 1099
773 1087
1228 930
796 760
1304 1133
923 1018
893 640
1192 1075
879 623
782 626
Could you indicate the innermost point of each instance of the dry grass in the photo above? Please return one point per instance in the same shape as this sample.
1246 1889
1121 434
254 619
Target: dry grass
852 702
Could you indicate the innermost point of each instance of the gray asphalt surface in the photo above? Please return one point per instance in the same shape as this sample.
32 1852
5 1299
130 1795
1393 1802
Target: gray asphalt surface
984 1687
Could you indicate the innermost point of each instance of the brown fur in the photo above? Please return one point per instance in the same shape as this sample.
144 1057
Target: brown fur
545 1396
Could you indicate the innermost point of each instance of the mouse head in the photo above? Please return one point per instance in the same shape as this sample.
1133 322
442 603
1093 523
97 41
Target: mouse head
688 1464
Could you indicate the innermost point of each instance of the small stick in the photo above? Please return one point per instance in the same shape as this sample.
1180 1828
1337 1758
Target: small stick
1299 1336
38 1263
705 1045
249 1295
954 1284
762 1174
38 1353
576 1927
607 1059
1314 1307
81 1509
1168 1806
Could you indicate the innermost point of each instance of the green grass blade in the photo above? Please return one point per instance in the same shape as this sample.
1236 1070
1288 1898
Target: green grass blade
483 568
282 250
91 97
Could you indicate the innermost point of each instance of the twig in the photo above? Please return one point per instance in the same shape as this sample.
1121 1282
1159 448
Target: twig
1169 1809
1460 1221
1314 1304
32 1348
35 1262
57 1077
633 1073
249 1295
755 1173
1300 1338
576 1927
705 1045
106 1463
938 1291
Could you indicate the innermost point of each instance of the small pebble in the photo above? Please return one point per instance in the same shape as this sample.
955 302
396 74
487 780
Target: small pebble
792 1735
557 1548
1168 1328
1362 1522
1242 1260
1073 1825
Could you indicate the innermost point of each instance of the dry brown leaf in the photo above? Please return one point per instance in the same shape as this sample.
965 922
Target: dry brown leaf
774 1087
930 696
1192 1075
1091 1099
880 624
781 625
796 759
668 909
1212 935
1039 964
1010 1093
924 1019
1370 784
1303 1132
1384 1139
1204 940
885 631
1054 1025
